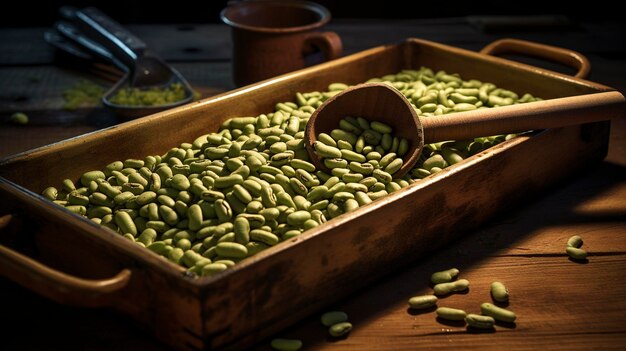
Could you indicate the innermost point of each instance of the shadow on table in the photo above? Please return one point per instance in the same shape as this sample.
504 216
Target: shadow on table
562 206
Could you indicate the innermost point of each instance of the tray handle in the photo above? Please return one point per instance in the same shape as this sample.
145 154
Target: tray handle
566 57
58 286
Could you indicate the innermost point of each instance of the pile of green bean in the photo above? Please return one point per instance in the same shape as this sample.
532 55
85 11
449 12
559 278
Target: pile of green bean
230 194
155 96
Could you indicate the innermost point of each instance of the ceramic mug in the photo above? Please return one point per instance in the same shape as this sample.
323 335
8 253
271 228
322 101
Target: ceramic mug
273 37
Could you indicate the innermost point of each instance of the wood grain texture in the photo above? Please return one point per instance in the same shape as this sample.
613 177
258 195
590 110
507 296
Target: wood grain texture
520 248
561 304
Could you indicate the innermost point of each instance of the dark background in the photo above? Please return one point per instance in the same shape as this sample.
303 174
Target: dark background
28 13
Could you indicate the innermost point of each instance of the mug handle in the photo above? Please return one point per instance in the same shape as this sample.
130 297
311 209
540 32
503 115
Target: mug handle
328 42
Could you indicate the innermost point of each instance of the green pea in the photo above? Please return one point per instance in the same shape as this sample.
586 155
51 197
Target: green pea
497 313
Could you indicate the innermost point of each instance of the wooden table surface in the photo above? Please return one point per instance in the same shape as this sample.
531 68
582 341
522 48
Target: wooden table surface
561 304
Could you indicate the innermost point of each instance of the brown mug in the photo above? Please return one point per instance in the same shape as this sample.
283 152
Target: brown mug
272 37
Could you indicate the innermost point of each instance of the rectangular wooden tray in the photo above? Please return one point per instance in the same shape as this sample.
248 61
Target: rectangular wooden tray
273 289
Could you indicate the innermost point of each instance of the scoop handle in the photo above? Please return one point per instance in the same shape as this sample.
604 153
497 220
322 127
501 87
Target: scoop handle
545 114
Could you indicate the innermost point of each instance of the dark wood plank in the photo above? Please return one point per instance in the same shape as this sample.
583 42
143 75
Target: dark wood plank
211 42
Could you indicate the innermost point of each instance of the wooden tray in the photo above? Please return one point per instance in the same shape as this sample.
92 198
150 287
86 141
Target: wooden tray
78 262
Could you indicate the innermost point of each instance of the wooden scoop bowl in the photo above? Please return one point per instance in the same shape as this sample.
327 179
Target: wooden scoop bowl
374 102
380 102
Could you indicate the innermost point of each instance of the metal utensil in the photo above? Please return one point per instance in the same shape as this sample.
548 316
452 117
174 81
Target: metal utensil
146 70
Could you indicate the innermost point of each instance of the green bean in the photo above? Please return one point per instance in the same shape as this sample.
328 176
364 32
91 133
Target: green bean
340 329
90 176
213 268
327 151
422 302
576 253
264 237
286 344
497 313
231 249
447 288
125 223
329 319
575 241
452 314
480 322
444 276
499 292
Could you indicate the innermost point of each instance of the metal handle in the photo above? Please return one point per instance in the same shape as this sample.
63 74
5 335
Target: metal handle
72 33
123 44
58 286
566 57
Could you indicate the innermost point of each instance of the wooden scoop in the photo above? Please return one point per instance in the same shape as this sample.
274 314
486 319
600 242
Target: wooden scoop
380 102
